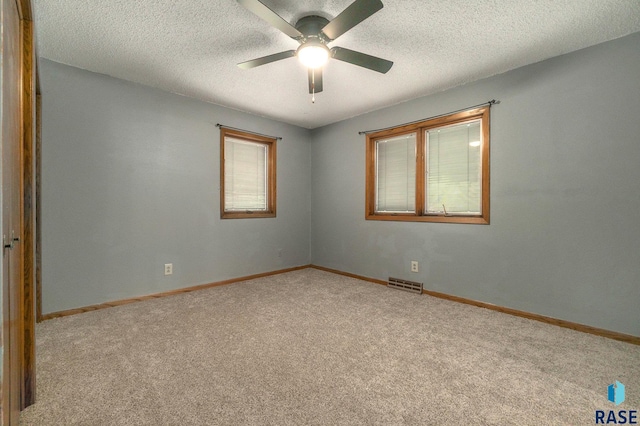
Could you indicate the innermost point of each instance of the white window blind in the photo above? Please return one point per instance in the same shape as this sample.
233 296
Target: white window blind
396 174
454 169
245 175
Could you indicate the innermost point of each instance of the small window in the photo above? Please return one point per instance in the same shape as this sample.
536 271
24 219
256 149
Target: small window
247 174
432 171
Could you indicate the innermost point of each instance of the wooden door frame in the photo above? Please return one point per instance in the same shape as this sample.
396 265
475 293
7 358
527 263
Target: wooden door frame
21 351
27 235
28 376
38 248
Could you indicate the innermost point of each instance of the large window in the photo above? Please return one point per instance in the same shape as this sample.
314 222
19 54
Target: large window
432 171
247 174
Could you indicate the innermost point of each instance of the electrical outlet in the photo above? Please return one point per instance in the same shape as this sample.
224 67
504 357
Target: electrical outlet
414 266
168 268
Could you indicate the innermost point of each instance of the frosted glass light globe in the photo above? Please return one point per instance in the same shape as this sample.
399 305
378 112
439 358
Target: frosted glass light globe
313 54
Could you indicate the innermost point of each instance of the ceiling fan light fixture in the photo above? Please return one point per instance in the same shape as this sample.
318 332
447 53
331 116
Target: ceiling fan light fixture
313 54
314 33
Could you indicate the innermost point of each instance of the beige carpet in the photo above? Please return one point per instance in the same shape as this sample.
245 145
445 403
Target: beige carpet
310 347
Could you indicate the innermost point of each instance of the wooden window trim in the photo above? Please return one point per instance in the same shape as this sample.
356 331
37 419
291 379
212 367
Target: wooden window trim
420 128
271 175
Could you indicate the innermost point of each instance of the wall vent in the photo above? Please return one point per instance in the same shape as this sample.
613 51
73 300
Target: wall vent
405 285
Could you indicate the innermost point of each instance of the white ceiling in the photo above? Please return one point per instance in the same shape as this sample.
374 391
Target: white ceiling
191 47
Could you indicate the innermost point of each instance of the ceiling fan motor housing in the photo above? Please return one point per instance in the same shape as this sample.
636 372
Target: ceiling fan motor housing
311 26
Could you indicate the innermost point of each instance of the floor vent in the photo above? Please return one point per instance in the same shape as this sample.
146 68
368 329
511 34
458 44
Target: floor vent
411 286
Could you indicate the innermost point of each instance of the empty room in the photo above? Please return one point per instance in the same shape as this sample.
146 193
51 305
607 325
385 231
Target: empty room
279 212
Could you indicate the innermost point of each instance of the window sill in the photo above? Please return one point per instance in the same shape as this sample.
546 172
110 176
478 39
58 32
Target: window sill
474 220
246 215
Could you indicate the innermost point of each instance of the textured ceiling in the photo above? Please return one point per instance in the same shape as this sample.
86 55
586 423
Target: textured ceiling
191 47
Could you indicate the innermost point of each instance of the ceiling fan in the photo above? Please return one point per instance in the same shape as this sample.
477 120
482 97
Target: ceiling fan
314 33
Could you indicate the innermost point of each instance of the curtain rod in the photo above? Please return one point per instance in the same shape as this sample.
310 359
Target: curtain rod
491 102
247 131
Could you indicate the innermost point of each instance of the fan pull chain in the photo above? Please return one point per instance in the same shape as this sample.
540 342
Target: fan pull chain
313 87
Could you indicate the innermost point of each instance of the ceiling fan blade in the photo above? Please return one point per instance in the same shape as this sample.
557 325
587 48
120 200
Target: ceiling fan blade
357 12
266 59
315 80
271 17
361 59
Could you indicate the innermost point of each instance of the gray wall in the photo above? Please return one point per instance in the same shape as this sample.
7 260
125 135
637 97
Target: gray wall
564 238
130 181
